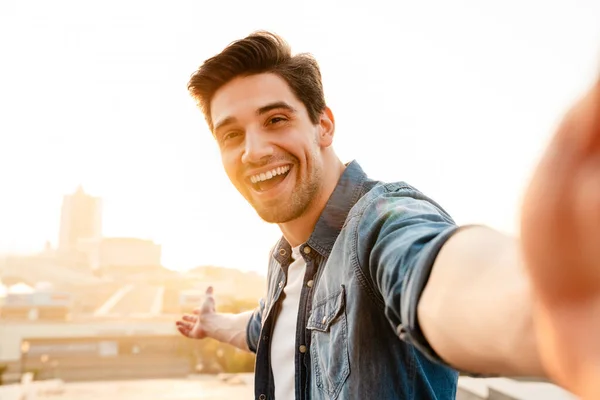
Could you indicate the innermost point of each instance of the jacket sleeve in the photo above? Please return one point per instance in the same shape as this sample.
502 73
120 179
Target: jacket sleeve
398 239
254 326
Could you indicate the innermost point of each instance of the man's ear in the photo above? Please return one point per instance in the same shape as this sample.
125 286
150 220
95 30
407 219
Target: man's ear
326 128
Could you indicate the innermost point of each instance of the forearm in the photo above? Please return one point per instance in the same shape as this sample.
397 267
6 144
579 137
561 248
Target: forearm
476 309
228 328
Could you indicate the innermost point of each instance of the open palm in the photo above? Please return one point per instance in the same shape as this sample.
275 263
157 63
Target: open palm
190 325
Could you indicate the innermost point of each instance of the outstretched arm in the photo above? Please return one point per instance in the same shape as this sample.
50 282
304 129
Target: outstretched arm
476 309
224 327
494 305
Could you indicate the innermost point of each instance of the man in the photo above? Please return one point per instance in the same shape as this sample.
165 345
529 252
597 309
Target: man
373 291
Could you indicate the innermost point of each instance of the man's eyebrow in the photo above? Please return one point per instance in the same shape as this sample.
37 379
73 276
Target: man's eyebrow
274 106
223 122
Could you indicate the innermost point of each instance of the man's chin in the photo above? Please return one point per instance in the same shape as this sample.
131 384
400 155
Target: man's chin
275 214
271 215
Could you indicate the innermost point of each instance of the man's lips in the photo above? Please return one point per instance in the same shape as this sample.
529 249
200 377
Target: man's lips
268 184
267 178
266 173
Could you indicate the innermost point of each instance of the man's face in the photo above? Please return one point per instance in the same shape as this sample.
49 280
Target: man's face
269 146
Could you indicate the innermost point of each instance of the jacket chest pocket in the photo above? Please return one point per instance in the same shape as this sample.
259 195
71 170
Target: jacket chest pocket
329 343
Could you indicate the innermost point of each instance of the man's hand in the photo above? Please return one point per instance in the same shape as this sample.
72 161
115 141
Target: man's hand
560 232
191 325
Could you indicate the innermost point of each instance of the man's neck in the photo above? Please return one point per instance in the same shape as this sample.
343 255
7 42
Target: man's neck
299 230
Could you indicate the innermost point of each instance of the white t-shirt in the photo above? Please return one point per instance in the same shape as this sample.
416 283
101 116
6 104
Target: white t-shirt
283 340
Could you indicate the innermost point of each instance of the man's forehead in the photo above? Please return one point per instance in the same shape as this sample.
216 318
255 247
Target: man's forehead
248 94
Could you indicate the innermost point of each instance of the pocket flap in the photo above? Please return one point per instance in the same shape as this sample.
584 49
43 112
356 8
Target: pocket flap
324 312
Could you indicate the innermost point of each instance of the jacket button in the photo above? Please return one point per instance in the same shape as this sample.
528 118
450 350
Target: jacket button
282 252
302 349
401 331
306 250
262 397
310 283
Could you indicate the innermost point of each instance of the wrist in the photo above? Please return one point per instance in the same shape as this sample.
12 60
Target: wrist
210 324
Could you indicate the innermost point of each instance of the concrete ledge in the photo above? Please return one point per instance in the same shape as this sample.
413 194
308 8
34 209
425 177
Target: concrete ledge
509 389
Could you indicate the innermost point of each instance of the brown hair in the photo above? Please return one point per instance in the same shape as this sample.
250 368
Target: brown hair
260 52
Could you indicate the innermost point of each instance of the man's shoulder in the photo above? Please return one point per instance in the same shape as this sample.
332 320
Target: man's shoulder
382 197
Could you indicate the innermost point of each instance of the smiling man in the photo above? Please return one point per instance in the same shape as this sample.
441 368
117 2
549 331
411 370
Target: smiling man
275 152
373 290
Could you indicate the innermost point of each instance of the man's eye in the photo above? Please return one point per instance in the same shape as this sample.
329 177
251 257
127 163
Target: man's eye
276 120
229 136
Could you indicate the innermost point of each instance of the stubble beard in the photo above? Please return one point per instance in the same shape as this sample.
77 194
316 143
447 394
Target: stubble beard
296 205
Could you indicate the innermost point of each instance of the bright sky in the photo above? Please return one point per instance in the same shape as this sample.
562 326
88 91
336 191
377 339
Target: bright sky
456 98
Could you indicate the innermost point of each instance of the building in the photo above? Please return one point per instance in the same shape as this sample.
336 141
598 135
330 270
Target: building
128 253
94 349
43 302
81 219
120 254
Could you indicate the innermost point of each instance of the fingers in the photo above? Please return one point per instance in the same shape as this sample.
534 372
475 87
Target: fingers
183 324
185 328
190 318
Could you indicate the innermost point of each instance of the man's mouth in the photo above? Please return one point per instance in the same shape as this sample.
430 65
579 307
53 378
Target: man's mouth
269 179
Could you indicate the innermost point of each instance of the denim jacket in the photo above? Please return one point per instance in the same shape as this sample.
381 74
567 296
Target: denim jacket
367 262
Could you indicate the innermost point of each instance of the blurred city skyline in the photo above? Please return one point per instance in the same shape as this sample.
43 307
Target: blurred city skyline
457 99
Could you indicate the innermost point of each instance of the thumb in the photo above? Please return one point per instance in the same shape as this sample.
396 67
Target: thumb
208 305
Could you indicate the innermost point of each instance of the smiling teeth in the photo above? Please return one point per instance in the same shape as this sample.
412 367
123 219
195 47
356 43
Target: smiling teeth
269 174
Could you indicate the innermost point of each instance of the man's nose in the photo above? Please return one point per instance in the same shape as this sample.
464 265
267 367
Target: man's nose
256 148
